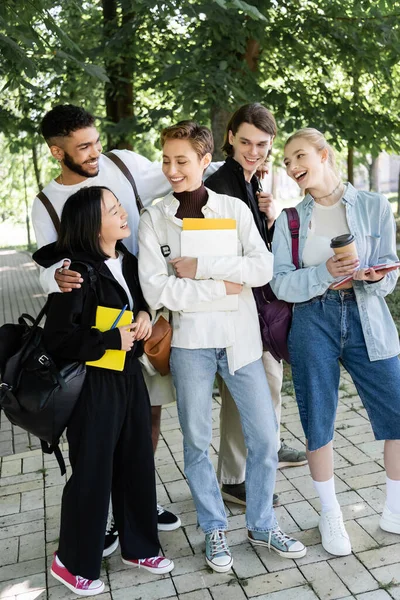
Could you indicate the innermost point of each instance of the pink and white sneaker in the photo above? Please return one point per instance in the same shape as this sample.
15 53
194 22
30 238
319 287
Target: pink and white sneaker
156 564
76 583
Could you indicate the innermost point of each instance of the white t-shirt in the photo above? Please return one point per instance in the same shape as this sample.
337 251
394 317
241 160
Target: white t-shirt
326 222
115 266
150 181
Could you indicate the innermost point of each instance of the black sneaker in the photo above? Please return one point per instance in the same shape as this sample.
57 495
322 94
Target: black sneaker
167 521
236 493
111 539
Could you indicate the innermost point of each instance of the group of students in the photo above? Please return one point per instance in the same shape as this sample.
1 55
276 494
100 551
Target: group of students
110 433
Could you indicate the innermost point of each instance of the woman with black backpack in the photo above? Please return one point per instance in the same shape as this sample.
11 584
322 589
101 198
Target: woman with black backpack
109 434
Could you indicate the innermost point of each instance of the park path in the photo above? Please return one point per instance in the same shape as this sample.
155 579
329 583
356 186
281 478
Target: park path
31 486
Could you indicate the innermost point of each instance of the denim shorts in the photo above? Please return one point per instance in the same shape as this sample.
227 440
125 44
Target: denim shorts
325 332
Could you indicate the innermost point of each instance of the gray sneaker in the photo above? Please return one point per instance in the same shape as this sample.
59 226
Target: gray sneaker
218 555
276 540
236 493
290 457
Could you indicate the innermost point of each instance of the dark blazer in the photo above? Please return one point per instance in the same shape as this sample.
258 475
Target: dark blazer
68 331
229 179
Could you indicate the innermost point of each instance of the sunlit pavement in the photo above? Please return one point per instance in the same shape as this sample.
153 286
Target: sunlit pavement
31 486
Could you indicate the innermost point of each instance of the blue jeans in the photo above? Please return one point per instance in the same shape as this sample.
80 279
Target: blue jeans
325 332
193 372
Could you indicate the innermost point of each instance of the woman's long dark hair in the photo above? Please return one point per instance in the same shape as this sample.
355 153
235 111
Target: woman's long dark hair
81 223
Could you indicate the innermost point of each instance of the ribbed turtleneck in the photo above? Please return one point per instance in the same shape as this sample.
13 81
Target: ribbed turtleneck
191 203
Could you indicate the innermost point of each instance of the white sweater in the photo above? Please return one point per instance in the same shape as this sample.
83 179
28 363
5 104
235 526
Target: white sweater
237 331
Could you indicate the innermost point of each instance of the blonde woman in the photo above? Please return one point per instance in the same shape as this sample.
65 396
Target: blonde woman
351 326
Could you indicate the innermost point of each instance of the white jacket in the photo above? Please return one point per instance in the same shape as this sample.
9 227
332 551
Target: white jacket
237 331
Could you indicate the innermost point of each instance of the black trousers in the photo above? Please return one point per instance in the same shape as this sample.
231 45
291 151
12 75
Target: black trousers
110 451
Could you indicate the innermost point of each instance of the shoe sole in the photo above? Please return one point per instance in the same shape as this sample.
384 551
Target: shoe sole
298 554
219 568
286 463
159 571
169 526
111 549
232 499
99 590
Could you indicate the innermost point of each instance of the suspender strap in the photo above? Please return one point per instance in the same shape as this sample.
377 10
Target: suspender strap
122 167
51 210
294 227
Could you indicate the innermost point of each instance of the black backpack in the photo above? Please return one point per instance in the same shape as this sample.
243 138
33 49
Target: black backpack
37 394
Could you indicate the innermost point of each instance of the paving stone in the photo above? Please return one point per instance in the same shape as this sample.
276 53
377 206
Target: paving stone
314 554
189 518
8 551
32 500
374 496
324 581
375 595
175 543
22 517
178 490
364 468
246 562
188 564
228 592
201 579
289 496
360 539
21 570
272 561
10 504
303 514
381 556
34 584
31 546
202 594
283 485
297 593
353 574
309 537
285 520
32 464
60 592
6 448
364 481
169 473
11 468
53 495
305 486
388 575
352 454
8 490
371 525
21 529
18 479
272 582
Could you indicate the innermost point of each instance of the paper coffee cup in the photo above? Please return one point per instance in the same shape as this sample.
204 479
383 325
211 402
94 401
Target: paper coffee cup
344 244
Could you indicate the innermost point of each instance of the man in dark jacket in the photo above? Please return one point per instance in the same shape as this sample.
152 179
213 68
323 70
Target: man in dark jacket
248 142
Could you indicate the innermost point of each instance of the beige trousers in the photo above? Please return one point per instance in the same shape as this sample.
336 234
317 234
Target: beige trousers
232 450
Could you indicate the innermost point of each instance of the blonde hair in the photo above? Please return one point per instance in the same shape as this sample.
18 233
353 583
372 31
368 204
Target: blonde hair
316 139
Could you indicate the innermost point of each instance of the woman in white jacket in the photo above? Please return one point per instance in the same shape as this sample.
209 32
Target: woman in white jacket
207 342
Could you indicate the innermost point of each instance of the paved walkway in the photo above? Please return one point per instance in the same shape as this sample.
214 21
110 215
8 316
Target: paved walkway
31 486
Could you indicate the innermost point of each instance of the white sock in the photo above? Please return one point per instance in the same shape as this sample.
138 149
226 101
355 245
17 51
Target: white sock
58 561
393 495
327 495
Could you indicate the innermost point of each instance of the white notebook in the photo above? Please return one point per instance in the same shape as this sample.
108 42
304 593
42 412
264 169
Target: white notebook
211 242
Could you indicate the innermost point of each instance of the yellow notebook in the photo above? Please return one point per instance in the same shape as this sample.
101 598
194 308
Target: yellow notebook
209 224
105 317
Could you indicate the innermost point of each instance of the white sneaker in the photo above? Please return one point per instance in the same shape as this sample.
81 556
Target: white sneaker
390 521
334 536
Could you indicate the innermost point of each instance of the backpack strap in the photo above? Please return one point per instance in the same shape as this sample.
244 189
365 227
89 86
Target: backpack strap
122 167
51 210
294 227
161 230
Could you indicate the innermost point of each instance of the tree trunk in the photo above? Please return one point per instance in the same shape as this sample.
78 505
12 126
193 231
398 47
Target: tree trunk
219 120
119 91
28 229
373 172
252 54
36 167
350 164
398 195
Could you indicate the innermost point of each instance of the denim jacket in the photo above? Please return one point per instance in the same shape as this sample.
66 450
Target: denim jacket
370 220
